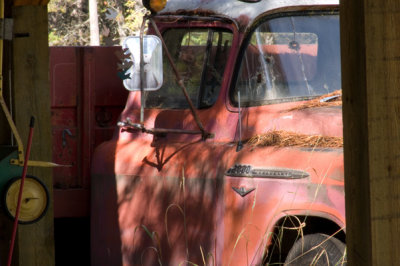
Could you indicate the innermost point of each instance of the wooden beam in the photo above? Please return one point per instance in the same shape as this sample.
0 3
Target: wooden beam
32 98
370 41
30 2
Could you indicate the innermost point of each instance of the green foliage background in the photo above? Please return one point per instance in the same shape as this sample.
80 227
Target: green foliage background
69 21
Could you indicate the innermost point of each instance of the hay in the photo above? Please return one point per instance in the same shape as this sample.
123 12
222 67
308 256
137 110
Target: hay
317 101
280 138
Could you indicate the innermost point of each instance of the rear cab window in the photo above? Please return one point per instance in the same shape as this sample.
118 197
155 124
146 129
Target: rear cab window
200 55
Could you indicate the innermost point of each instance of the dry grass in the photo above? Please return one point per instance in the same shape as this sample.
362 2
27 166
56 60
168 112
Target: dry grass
280 138
317 101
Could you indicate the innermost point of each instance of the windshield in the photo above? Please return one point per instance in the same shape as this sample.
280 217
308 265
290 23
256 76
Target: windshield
200 55
290 58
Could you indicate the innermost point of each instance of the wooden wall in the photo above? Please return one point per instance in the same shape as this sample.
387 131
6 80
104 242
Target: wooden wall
30 95
370 44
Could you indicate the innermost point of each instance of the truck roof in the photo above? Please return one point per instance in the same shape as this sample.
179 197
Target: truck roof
243 13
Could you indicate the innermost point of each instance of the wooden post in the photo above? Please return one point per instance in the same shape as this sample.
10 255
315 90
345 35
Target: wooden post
32 97
370 44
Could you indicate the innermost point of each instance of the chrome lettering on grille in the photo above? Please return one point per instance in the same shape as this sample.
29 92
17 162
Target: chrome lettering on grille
240 170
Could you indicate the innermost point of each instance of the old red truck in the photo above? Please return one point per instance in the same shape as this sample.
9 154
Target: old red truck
249 170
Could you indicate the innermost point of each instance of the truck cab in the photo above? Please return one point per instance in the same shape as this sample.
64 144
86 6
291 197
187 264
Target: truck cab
237 158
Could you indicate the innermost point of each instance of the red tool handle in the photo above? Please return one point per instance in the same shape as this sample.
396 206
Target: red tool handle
28 151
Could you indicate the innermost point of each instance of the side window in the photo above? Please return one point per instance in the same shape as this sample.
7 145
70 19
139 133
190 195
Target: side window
288 59
200 55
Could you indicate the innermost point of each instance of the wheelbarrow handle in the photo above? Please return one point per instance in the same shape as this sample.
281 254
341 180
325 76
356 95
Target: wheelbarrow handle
24 169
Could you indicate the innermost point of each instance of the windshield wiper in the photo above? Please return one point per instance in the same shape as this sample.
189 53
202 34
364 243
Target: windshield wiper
329 98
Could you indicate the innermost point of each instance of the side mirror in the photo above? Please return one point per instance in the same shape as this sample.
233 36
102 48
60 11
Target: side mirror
152 59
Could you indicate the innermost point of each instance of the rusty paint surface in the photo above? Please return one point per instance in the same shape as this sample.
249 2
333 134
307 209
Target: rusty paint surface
180 193
168 185
166 188
168 199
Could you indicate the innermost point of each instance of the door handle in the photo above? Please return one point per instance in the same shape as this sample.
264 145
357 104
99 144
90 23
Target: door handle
64 137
